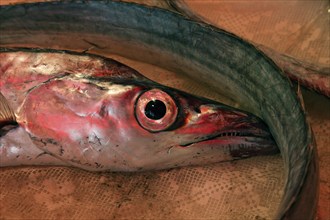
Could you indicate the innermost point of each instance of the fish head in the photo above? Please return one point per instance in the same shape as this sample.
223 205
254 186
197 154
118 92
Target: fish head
180 129
132 125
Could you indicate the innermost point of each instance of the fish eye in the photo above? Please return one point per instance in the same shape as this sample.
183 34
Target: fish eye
156 110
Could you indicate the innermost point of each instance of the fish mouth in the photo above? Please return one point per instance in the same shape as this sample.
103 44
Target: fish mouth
253 140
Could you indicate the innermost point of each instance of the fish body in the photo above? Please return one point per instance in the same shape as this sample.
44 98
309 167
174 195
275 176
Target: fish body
217 58
98 114
313 77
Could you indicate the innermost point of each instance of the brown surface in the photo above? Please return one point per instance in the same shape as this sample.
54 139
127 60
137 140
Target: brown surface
248 189
318 109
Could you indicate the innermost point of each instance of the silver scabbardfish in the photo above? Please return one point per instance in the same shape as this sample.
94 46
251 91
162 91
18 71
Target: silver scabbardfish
214 57
99 115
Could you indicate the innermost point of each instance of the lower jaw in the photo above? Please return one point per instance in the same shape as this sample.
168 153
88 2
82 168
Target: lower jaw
240 147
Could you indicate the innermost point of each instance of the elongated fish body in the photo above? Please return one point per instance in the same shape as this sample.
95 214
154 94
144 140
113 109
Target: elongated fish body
214 57
314 77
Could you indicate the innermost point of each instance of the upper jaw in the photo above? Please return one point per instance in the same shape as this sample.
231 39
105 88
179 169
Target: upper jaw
256 135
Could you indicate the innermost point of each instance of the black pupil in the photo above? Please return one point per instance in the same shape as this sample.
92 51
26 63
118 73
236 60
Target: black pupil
155 109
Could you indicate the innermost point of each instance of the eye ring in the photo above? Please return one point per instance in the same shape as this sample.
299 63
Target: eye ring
156 110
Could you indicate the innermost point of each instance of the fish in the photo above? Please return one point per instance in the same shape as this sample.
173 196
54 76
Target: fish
219 59
100 115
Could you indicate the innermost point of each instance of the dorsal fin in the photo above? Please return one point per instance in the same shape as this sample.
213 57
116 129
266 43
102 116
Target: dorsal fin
7 116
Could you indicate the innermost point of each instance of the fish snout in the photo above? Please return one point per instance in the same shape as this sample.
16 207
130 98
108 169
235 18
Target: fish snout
233 132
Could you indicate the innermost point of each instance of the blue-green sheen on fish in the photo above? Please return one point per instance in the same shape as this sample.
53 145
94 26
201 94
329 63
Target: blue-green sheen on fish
217 58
